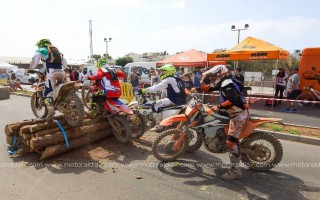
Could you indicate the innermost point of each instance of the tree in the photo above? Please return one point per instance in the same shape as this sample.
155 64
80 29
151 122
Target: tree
124 60
96 57
107 56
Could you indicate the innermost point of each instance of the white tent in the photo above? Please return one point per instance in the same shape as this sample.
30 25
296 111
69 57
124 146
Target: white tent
8 67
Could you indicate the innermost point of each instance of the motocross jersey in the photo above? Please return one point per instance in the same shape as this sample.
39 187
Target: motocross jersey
174 87
109 81
42 54
231 98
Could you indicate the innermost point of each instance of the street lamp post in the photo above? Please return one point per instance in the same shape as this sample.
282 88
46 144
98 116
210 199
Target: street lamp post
107 40
233 28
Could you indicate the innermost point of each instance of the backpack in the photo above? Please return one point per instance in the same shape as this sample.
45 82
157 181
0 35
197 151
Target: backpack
55 57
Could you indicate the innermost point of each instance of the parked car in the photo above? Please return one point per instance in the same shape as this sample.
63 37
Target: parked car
28 77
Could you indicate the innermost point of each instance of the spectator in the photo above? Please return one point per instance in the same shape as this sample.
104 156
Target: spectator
152 76
14 85
293 90
134 78
182 71
83 75
238 76
76 74
197 77
188 84
90 73
72 77
280 83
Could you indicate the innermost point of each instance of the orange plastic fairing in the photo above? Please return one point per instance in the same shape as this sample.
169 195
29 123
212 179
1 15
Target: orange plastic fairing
170 120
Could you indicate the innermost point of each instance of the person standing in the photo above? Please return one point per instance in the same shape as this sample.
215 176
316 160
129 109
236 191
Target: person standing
134 78
293 90
280 84
197 77
234 103
239 77
76 74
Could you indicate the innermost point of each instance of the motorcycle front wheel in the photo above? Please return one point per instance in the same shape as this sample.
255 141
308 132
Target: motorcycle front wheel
74 110
138 125
121 129
265 151
38 107
162 148
86 96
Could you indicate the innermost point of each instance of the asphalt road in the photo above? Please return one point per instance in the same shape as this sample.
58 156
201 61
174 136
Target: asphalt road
110 170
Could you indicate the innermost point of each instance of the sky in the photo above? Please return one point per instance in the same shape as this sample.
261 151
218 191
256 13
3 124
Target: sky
141 26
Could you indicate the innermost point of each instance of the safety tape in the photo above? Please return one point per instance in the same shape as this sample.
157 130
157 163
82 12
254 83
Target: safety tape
264 98
274 99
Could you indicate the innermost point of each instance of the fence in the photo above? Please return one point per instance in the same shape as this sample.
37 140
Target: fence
127 91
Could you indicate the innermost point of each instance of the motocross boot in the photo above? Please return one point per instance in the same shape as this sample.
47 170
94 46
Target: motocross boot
49 103
157 128
234 172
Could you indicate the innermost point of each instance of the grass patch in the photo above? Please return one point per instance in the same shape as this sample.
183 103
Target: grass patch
277 128
294 132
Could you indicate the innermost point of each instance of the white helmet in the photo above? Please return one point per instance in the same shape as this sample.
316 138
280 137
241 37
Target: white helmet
220 72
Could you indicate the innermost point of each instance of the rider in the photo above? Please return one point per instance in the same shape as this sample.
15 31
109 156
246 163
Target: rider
233 102
175 92
54 62
109 84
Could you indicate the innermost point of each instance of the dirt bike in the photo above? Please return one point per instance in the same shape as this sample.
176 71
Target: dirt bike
212 131
69 103
145 109
126 122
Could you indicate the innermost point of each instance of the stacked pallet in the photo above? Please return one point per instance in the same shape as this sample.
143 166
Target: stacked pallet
47 139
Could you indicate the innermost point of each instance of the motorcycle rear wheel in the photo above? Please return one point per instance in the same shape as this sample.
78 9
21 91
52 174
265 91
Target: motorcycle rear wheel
167 146
38 107
265 161
123 131
75 114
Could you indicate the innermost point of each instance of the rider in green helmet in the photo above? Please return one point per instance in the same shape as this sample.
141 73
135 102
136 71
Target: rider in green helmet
54 63
101 62
175 92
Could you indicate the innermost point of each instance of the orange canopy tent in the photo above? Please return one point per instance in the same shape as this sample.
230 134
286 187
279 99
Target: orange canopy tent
251 49
191 58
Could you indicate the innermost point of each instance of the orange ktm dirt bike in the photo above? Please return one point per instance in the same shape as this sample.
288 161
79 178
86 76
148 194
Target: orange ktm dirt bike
259 150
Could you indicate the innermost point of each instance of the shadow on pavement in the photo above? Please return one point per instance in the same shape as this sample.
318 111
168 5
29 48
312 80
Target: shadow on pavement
253 185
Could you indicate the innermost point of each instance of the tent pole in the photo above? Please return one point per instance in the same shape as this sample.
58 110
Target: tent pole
274 83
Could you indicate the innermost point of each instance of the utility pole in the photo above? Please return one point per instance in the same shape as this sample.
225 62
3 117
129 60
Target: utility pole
90 33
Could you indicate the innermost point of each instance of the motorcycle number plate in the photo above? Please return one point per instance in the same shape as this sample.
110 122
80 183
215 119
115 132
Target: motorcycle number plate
192 104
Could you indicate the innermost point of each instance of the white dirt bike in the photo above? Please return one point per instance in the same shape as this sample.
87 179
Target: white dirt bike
144 106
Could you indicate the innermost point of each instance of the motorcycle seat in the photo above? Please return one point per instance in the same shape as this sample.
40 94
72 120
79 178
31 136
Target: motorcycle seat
254 118
172 107
222 118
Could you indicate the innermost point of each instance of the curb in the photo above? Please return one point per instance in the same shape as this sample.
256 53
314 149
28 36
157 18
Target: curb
19 94
294 138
